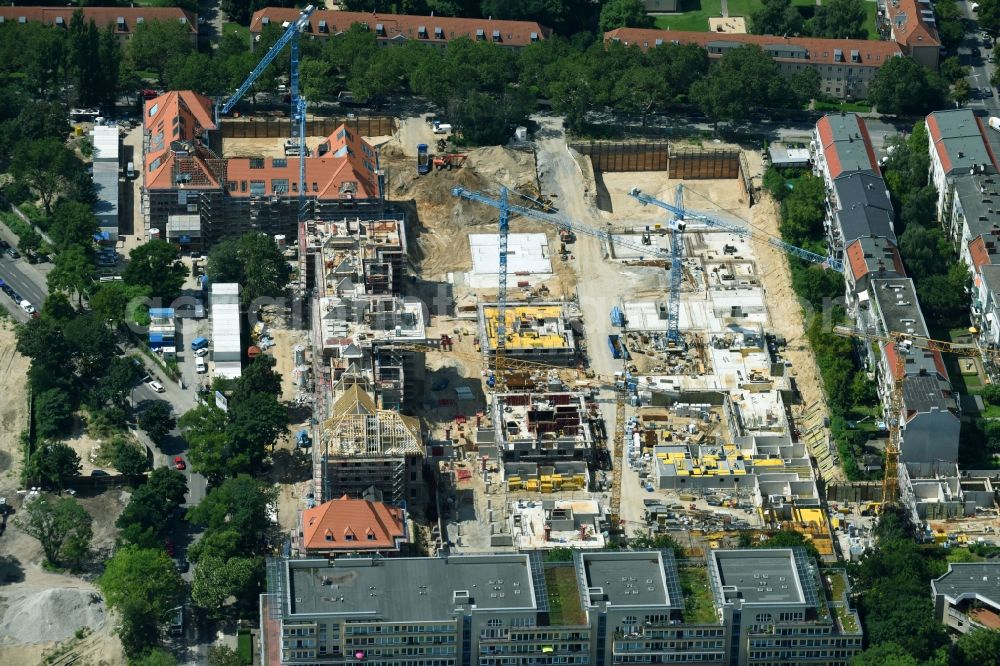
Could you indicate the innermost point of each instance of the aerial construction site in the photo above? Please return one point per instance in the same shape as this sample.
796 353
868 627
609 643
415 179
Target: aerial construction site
572 362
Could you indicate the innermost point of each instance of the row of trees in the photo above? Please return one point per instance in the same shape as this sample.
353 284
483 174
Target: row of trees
834 19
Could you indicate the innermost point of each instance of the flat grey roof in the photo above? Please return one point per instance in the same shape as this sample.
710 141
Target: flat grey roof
898 305
635 578
968 581
991 278
849 143
408 589
760 576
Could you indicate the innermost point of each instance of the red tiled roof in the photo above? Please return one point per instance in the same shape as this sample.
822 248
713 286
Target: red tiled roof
101 16
353 525
180 115
935 131
907 24
978 253
406 26
871 53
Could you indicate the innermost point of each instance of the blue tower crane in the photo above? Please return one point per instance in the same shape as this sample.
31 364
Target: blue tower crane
745 232
676 271
298 103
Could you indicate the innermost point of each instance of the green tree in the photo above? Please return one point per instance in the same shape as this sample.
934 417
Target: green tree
235 517
944 298
789 539
73 271
991 393
961 92
922 249
744 78
61 525
156 43
254 424
53 414
117 383
142 581
139 630
988 17
157 420
47 166
216 581
885 654
948 21
840 19
53 465
980 647
953 70
905 87
111 301
776 17
155 265
155 657
223 655
209 450
72 223
150 510
130 460
258 377
254 261
93 345
623 14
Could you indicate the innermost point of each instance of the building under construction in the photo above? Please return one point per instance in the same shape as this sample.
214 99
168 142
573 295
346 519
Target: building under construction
365 451
356 268
540 332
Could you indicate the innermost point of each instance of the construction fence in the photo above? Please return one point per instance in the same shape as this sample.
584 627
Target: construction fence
680 162
279 128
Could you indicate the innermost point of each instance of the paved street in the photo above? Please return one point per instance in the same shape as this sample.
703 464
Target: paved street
980 67
26 279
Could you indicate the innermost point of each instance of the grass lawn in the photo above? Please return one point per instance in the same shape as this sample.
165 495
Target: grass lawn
699 604
856 107
564 597
695 19
871 7
243 31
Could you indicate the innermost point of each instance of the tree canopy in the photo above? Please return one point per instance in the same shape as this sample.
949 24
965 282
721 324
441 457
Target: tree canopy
61 525
155 265
254 261
902 86
235 517
147 516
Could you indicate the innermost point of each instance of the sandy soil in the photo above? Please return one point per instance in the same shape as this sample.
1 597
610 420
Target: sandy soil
441 216
724 195
787 319
20 554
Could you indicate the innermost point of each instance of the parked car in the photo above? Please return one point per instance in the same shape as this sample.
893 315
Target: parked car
156 386
201 352
4 244
179 462
13 253
27 306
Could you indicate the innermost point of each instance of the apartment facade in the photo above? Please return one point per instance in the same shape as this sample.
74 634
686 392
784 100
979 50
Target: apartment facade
624 607
845 66
398 29
122 20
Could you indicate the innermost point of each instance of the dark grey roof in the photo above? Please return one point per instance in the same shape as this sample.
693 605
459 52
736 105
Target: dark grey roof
408 589
991 278
959 137
758 576
924 393
978 198
861 188
858 221
638 578
967 581
849 143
